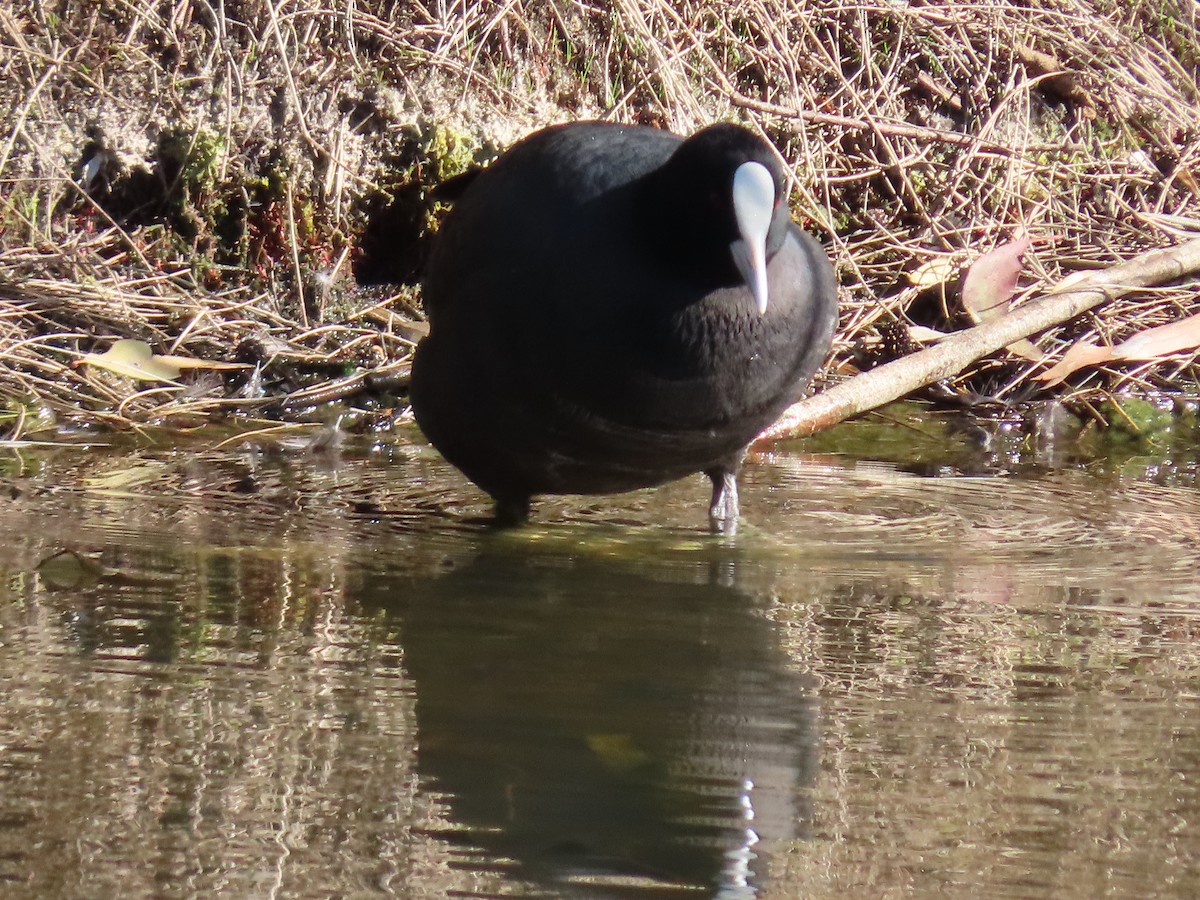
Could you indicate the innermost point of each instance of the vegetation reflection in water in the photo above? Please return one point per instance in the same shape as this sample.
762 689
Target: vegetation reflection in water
268 674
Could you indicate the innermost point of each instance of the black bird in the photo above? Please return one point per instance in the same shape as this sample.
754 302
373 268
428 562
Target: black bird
613 307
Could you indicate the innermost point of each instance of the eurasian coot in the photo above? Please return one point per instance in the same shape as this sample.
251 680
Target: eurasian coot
613 307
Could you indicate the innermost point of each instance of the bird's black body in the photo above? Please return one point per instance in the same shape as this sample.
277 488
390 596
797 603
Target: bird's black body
589 329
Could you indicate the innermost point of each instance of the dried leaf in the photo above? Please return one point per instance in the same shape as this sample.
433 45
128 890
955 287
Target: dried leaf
935 271
190 362
1153 343
1081 353
1026 349
923 335
990 281
133 359
988 285
1164 340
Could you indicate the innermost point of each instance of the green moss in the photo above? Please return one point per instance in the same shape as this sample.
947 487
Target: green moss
447 151
1132 418
906 432
1149 438
197 156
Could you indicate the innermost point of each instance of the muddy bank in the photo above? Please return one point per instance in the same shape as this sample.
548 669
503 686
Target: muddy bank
250 185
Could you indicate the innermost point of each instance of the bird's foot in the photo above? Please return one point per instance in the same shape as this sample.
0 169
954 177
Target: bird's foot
511 511
723 510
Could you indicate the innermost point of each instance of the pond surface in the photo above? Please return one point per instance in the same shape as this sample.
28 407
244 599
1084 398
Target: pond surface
260 672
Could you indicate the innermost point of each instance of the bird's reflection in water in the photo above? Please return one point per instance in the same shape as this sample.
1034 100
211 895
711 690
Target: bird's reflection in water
600 725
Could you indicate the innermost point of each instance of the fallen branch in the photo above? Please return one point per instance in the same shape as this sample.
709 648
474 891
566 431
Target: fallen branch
1072 296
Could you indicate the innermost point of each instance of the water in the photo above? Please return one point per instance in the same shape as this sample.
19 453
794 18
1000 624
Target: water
264 673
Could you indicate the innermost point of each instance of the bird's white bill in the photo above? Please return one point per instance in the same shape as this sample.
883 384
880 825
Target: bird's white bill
753 207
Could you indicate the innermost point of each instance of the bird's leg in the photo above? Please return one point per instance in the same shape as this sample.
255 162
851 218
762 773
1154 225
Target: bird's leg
723 510
511 511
